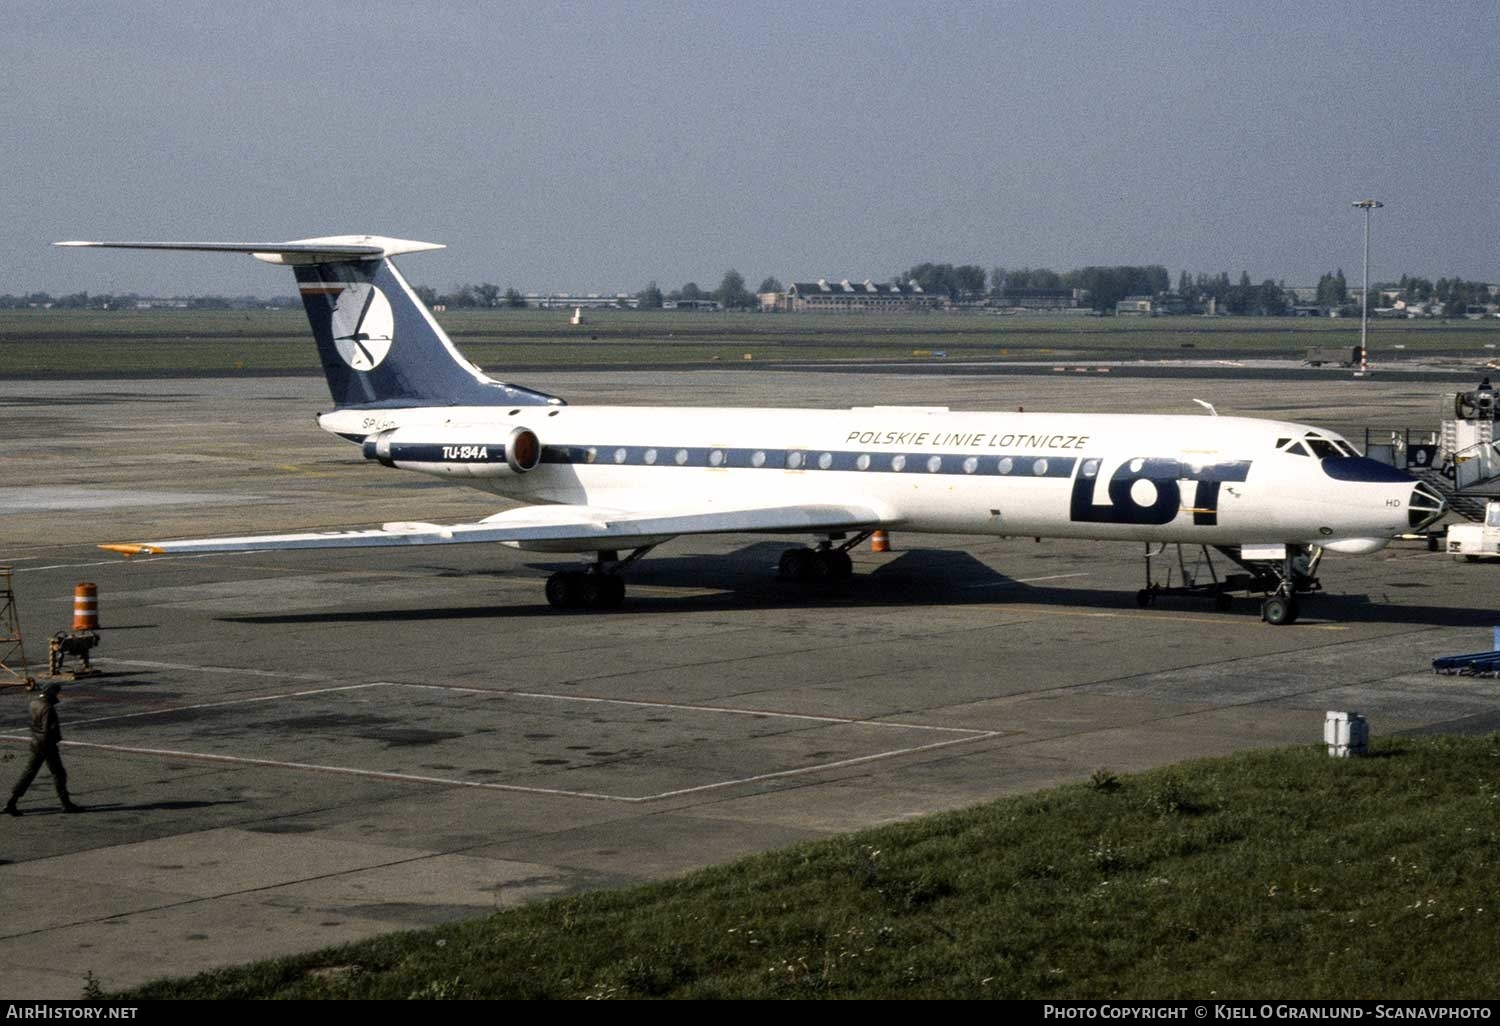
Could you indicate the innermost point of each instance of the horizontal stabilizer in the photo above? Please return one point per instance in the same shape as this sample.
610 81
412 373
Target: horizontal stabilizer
587 525
332 249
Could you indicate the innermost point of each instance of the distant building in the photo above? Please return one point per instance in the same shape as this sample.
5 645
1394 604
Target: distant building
1169 304
1038 299
691 304
865 297
572 301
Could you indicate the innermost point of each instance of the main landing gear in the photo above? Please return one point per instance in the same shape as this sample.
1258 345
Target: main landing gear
824 563
601 586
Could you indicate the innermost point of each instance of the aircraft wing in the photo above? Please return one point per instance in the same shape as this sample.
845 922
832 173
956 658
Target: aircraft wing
609 528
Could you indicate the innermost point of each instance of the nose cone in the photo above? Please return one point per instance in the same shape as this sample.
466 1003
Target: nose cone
1423 504
1424 507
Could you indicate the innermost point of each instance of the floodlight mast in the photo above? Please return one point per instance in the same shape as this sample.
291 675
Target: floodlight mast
1366 205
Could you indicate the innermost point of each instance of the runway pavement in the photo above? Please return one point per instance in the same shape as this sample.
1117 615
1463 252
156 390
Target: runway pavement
299 749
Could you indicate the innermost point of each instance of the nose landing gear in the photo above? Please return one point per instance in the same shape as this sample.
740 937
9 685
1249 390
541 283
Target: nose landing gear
1296 573
1281 580
1278 610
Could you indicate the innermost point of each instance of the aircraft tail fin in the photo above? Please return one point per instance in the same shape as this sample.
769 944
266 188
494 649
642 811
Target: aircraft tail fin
378 343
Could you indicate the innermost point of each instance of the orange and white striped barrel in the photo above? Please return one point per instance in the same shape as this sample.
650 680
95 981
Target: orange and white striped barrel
880 541
85 607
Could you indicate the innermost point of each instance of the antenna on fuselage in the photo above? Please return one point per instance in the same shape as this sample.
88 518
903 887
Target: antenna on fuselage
1207 406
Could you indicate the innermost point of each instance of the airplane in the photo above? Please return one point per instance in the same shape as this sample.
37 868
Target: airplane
1270 495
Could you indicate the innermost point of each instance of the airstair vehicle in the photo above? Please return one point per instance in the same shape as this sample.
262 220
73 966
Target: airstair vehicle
1461 460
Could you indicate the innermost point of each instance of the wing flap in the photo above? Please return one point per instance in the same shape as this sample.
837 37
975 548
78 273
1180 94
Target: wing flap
545 524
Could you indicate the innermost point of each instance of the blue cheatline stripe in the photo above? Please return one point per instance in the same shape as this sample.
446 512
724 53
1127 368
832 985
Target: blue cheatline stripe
812 459
919 463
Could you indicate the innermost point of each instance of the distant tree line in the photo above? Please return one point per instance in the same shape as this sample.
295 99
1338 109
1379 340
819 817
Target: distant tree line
1104 287
1269 298
485 294
732 293
131 300
1454 291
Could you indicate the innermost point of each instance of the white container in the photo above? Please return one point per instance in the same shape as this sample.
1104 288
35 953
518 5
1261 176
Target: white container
1346 734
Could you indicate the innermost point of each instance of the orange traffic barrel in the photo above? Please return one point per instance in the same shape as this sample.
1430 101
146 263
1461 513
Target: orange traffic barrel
880 541
85 607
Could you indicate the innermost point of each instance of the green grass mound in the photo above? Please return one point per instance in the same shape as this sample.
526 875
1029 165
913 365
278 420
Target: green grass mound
1272 874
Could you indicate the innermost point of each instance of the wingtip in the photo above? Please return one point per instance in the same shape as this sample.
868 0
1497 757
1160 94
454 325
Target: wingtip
128 550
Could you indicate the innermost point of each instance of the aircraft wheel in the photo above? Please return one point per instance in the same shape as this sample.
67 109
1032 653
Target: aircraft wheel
1279 611
797 565
590 591
563 590
820 566
1144 598
840 566
1223 601
612 591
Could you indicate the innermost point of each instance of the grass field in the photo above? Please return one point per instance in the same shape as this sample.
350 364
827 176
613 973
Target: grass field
65 342
1279 874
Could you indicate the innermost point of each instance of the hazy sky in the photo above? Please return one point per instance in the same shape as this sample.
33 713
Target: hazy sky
596 146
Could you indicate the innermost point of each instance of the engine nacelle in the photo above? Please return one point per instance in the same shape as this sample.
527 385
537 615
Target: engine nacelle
468 452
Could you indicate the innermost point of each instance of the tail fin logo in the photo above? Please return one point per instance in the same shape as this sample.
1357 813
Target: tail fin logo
363 326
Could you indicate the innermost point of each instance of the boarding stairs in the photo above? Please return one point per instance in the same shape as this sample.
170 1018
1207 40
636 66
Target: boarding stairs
1461 461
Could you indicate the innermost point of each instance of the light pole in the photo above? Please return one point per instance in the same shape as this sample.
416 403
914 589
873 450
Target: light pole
1364 306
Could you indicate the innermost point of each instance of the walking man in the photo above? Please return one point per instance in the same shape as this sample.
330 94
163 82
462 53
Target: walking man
46 739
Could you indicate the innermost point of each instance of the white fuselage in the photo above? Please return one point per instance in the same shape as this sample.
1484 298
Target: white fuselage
1197 479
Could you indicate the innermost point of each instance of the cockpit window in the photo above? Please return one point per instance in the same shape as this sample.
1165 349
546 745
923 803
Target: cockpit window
1295 449
1323 448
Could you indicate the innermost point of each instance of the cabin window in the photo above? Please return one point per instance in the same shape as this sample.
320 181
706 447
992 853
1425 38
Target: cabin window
680 457
716 458
758 459
1090 468
650 457
1006 465
971 464
1039 468
794 460
620 455
898 463
590 454
862 461
825 461
934 464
